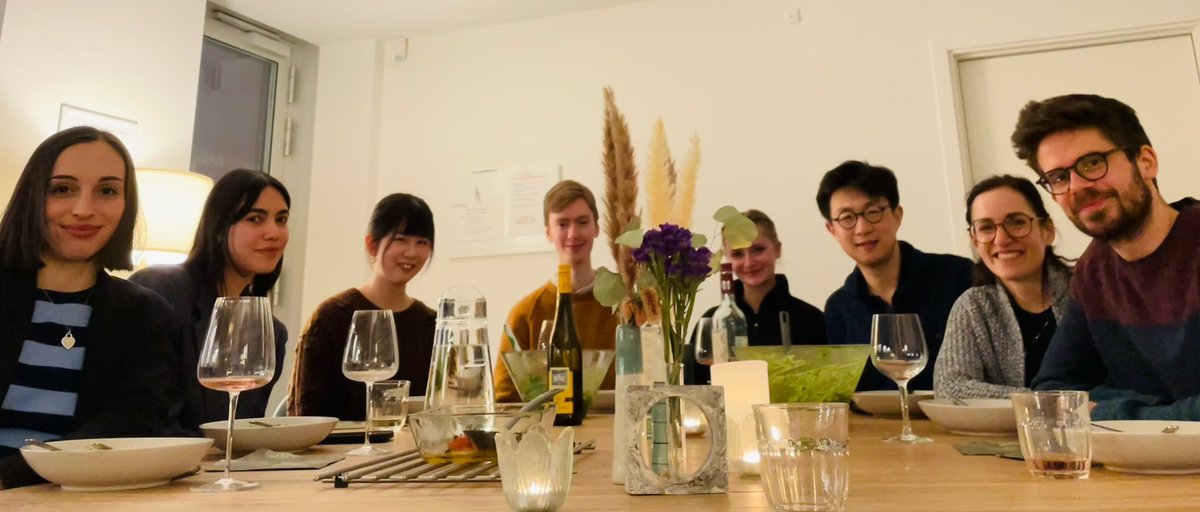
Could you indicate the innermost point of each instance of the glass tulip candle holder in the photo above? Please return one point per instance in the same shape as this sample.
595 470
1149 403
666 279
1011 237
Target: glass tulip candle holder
535 473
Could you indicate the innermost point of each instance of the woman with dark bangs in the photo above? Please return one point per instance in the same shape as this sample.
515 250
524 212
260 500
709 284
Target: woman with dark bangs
82 354
399 243
238 251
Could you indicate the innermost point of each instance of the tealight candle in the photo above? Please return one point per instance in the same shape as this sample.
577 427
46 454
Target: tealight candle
693 420
748 448
750 463
535 473
533 496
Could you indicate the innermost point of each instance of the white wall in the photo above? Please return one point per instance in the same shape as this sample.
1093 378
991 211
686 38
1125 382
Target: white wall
776 103
345 156
135 59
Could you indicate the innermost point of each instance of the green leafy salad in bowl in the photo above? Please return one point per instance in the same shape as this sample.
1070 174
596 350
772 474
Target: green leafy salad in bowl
810 373
528 371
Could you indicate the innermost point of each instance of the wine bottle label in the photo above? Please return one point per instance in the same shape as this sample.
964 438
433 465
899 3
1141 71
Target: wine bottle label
560 378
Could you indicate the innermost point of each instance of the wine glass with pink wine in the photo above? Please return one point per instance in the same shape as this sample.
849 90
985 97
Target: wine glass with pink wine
898 350
238 355
370 357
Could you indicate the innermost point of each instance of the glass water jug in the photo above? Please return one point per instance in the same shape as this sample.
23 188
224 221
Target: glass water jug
460 372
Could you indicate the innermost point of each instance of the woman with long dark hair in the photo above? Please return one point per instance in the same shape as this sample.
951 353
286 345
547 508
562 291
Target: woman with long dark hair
238 251
998 330
82 354
399 243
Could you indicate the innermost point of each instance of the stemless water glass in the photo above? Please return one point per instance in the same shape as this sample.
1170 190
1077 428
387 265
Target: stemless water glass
389 405
238 355
1053 428
804 448
370 357
898 351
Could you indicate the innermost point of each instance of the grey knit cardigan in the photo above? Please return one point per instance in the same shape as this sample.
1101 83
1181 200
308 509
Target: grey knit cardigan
982 355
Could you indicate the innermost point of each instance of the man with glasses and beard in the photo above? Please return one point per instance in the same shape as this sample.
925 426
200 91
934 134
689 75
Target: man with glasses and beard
1131 332
861 206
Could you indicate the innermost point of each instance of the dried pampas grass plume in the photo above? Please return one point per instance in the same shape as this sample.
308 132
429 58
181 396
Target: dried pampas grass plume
621 187
659 200
685 197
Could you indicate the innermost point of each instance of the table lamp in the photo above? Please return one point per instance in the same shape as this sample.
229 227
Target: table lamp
171 204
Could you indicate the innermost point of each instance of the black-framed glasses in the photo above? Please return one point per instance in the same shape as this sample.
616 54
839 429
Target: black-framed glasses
1017 225
872 214
1091 167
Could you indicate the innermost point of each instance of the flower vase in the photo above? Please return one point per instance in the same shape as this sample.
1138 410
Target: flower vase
629 372
676 435
667 436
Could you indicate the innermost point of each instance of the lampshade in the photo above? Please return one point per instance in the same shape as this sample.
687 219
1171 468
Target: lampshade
171 203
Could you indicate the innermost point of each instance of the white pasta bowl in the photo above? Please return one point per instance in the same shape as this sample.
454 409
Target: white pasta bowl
980 417
1142 446
129 463
282 434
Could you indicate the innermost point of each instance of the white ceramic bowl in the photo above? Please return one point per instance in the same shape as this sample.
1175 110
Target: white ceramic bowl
980 417
1142 447
131 463
887 402
288 433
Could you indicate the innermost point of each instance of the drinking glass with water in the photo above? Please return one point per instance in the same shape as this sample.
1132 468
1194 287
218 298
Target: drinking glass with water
803 449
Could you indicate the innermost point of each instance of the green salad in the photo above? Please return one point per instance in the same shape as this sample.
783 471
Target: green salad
810 373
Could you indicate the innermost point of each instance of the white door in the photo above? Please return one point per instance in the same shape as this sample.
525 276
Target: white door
1157 77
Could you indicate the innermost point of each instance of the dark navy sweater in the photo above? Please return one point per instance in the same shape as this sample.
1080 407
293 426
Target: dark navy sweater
1131 332
929 285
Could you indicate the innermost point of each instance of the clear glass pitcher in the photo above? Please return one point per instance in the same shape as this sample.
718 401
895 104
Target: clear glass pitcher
460 372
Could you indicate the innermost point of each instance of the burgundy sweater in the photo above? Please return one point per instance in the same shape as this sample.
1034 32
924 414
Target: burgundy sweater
1131 332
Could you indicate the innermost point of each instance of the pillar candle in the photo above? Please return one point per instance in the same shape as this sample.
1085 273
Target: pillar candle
745 384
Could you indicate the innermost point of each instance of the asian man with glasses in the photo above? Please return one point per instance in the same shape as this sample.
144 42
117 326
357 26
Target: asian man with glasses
861 206
1131 331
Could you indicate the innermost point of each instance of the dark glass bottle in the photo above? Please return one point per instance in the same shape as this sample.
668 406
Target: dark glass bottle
565 365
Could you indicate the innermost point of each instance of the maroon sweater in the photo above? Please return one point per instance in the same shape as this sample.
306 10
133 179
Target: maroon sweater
1131 332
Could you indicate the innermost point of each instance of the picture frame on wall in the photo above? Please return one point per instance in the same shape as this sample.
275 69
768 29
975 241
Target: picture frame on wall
70 116
498 210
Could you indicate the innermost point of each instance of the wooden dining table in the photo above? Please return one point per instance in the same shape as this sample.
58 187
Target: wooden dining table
883 477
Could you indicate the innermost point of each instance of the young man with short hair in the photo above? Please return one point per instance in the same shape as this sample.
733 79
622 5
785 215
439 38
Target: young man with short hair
1131 332
861 206
572 225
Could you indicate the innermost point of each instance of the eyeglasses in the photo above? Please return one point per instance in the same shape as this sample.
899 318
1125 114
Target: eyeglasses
1017 225
872 214
1091 167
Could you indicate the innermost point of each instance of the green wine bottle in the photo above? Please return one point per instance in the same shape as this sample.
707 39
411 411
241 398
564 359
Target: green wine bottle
566 357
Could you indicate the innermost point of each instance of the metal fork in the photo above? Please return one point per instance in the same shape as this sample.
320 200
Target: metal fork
42 444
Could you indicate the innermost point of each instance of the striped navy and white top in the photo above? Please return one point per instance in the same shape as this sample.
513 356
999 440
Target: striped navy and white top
40 402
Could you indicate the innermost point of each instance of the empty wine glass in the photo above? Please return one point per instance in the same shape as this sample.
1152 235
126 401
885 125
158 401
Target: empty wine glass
706 352
544 333
370 357
898 351
238 355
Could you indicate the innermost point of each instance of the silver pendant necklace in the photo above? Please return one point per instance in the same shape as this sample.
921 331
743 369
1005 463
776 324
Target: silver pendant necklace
68 339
